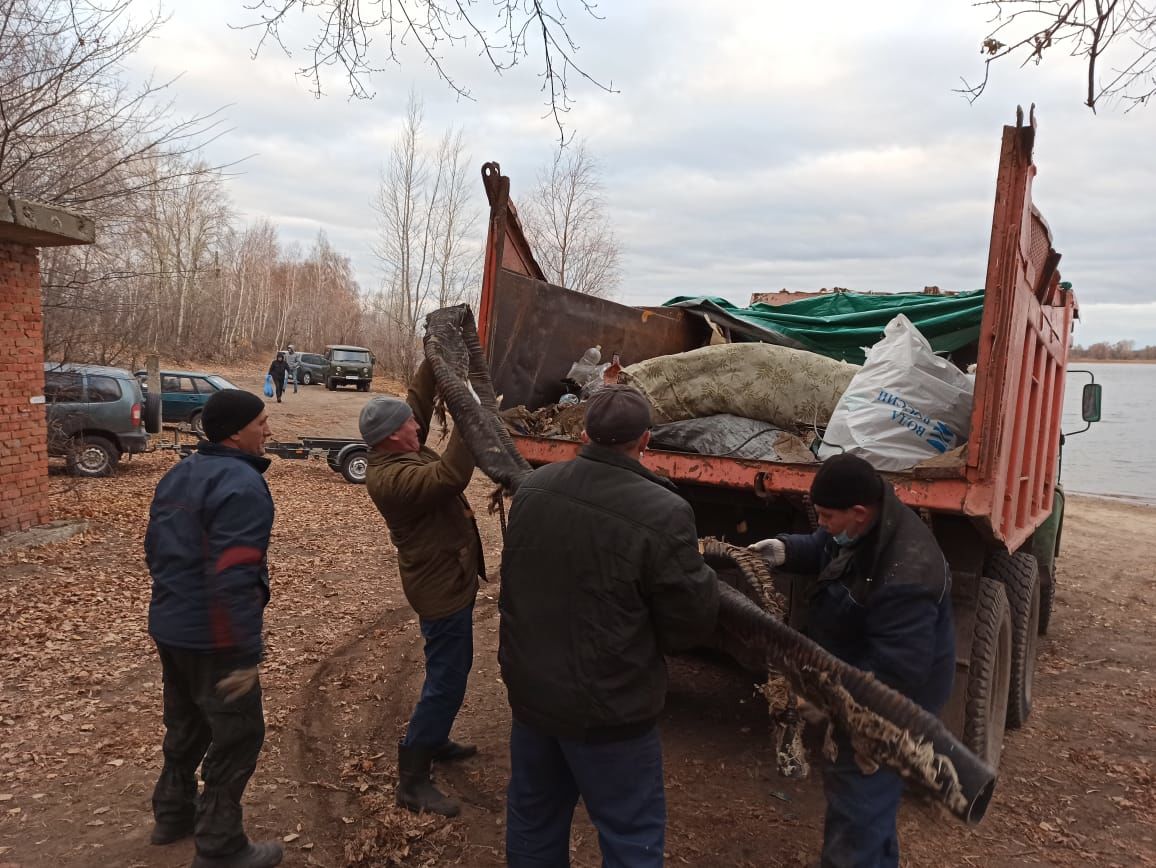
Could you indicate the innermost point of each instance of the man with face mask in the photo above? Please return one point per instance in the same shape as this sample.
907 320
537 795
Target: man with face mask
881 602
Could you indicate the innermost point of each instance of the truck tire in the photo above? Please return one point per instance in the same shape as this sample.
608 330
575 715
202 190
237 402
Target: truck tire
989 674
1020 575
354 466
329 384
91 457
1047 598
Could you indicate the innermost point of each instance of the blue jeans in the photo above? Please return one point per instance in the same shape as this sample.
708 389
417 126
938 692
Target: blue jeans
620 783
449 654
860 830
293 376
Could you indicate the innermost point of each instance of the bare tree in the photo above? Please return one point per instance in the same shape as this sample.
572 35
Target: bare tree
185 227
1115 39
566 223
424 245
345 33
457 254
72 132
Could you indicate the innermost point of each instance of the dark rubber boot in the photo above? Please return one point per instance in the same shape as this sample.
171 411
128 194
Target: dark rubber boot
170 833
263 855
415 790
451 752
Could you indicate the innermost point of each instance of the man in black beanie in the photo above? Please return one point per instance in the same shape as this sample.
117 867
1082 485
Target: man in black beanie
601 574
206 545
881 602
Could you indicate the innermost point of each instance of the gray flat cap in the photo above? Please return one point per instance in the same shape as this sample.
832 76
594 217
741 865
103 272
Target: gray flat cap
381 417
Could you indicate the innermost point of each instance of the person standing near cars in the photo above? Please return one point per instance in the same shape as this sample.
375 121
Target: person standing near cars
439 555
278 370
601 576
293 363
206 547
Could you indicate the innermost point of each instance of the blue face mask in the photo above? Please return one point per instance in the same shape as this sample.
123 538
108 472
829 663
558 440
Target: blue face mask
843 538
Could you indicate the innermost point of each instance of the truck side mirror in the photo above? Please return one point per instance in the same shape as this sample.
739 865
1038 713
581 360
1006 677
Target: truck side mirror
1090 402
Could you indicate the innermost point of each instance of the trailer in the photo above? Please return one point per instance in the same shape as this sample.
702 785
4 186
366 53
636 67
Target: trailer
348 456
997 511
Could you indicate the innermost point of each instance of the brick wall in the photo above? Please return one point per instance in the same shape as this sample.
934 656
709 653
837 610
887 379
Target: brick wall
23 431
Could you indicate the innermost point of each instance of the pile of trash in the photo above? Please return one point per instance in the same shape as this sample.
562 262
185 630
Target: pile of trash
904 406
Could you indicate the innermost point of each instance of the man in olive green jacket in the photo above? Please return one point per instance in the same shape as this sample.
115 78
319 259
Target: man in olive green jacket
439 556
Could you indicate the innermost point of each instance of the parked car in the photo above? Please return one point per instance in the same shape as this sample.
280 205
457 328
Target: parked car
311 369
184 393
94 416
348 366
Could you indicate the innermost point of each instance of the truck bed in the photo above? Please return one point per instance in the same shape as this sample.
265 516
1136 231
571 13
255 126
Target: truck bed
532 331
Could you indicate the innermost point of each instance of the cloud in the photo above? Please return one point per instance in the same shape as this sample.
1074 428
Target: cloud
772 146
1113 322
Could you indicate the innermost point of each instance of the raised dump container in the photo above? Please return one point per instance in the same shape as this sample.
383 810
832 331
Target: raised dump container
985 507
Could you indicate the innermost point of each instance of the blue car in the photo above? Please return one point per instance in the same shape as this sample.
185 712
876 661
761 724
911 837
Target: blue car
183 395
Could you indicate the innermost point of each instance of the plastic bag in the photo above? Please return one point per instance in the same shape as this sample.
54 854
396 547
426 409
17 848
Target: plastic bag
268 385
905 405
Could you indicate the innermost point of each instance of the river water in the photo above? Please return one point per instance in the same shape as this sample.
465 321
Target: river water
1115 457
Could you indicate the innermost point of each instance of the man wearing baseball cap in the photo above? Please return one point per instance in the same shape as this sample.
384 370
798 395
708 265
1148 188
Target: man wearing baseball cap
881 602
206 547
439 555
601 574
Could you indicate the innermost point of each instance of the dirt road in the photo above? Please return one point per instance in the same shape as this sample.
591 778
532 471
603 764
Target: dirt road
80 702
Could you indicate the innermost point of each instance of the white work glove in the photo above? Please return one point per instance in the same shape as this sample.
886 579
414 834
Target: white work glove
237 683
774 550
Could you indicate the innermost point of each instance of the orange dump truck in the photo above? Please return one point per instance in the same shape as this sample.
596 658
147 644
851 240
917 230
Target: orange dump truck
996 511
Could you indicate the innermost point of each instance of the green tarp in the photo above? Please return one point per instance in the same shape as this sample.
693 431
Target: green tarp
842 324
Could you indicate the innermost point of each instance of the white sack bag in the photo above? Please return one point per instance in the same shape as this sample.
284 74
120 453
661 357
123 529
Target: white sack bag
905 404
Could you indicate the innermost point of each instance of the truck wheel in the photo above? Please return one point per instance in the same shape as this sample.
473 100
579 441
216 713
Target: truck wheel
989 674
91 457
363 387
354 466
1020 575
1047 598
329 384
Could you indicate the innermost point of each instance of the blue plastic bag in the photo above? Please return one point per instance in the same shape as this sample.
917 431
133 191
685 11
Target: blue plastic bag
268 385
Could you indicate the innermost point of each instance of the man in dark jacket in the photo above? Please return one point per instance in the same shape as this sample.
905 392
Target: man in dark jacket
439 555
293 365
881 602
206 545
278 370
601 574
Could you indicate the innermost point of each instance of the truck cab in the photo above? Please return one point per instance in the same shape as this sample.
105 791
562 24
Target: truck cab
348 366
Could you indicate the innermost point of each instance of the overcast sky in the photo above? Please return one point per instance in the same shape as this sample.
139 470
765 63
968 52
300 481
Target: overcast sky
776 145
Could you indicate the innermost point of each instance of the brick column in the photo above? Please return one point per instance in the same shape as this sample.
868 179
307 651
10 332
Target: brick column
23 430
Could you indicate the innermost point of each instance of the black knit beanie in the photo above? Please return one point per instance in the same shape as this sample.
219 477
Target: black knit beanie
845 481
228 411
